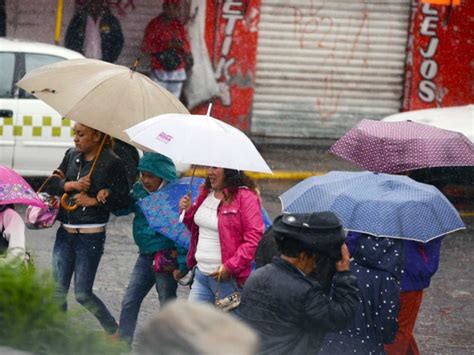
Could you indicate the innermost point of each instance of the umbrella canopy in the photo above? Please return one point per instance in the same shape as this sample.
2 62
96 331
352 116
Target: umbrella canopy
161 209
382 205
391 147
457 118
199 140
101 95
14 189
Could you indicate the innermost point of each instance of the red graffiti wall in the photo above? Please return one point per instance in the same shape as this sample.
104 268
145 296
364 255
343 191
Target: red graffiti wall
440 59
231 38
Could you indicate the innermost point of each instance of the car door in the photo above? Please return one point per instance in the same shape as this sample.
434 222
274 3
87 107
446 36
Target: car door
8 107
43 136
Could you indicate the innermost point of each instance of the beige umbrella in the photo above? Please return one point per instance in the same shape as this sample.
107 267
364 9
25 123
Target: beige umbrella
101 95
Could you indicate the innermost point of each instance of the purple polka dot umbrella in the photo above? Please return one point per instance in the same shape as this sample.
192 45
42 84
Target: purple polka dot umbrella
392 147
14 189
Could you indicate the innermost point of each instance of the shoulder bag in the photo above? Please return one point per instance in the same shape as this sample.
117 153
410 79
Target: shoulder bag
44 217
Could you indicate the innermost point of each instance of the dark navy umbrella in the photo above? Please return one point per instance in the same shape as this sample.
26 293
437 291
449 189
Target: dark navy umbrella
161 209
379 204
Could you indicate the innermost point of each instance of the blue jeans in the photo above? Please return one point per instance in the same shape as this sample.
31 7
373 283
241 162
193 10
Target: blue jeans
80 254
204 289
141 281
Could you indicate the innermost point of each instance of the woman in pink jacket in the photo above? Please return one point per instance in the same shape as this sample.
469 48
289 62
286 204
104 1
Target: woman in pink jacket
226 226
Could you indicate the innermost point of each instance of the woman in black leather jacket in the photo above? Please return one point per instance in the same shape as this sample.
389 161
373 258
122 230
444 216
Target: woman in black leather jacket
81 237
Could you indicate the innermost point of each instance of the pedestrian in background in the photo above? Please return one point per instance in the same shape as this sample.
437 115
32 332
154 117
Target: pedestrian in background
95 32
420 263
289 310
226 225
80 238
167 43
160 261
377 265
12 236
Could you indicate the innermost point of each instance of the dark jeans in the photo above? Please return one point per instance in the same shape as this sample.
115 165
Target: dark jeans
80 254
141 281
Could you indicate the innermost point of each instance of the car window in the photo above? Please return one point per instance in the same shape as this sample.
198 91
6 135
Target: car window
7 63
34 61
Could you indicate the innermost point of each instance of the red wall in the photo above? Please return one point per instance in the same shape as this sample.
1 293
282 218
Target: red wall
440 59
231 38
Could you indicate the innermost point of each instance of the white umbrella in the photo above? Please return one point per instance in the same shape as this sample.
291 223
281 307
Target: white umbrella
199 140
101 95
457 118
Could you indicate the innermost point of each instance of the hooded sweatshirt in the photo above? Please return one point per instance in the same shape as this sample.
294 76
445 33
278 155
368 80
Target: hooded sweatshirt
377 265
147 240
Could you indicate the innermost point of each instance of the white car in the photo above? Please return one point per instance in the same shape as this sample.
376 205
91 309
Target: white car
33 136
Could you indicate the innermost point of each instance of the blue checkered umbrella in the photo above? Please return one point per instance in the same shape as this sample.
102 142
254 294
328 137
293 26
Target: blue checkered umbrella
161 209
382 205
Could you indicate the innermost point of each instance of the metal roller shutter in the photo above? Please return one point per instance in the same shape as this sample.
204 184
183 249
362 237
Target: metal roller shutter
322 66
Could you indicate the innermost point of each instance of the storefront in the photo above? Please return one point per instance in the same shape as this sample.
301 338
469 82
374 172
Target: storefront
305 68
440 59
324 65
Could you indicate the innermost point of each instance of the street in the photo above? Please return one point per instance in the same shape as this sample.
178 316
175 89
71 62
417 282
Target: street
446 321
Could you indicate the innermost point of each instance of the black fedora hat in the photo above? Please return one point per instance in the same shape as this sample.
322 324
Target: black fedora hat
320 231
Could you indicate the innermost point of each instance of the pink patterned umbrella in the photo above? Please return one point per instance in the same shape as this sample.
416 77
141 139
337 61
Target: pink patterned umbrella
392 147
14 189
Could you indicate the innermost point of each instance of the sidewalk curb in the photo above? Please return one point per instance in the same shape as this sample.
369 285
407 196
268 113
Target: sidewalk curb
277 174
290 175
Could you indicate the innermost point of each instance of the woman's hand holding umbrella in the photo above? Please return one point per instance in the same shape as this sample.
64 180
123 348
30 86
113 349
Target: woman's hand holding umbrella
82 199
83 184
184 203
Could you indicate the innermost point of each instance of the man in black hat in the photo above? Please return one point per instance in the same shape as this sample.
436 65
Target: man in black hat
289 310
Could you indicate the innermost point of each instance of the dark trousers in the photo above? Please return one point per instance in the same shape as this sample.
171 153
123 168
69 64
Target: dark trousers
143 278
79 255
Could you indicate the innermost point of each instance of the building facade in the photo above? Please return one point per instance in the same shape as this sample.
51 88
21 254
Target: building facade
304 68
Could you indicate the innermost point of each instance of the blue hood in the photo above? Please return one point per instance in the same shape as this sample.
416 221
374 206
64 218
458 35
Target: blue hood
383 254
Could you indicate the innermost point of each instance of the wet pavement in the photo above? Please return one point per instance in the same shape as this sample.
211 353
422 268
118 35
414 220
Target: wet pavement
446 321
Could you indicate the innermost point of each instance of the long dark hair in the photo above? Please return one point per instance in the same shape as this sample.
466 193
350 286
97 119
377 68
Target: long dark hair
233 179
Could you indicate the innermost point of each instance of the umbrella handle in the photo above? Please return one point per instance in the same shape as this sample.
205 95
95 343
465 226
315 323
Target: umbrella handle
181 216
64 204
65 196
